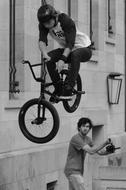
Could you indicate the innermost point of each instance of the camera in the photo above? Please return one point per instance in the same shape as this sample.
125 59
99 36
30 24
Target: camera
111 148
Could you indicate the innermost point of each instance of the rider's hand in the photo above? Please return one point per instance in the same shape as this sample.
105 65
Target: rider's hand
108 141
46 57
60 65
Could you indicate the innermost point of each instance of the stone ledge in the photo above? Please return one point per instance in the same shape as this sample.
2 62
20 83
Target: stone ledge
112 173
97 115
108 185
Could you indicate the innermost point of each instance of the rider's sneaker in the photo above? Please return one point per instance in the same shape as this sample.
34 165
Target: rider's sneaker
57 92
66 94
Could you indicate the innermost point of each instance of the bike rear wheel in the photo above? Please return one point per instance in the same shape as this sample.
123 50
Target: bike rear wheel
72 105
38 121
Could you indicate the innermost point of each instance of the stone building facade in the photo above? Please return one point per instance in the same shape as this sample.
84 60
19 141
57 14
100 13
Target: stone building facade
27 166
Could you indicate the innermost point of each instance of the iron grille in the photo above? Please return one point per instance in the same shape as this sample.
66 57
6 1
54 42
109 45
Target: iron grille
51 185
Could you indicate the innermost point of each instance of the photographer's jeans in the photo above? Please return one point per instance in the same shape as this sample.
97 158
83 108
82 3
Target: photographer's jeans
76 182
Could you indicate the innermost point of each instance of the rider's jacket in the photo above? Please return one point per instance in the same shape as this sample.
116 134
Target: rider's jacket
65 33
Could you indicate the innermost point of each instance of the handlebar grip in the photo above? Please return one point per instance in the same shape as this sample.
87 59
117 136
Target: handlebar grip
117 148
25 62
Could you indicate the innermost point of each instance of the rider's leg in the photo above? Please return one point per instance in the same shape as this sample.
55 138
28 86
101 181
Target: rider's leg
51 65
54 75
75 57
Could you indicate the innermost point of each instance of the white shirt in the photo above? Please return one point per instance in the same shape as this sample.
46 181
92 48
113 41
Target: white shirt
81 40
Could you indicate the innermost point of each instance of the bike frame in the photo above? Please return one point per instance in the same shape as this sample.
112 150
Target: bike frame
41 79
42 104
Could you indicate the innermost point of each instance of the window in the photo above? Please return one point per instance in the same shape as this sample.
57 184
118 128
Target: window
16 48
51 185
69 8
111 17
94 23
44 2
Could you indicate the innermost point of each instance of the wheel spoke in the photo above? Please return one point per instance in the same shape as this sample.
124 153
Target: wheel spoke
72 105
39 130
39 126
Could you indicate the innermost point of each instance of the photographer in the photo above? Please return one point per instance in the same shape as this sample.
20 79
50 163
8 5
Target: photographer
79 145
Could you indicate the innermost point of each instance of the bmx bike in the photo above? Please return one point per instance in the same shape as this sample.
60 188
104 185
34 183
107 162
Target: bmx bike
38 118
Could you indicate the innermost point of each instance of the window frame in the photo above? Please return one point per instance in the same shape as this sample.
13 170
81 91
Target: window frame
13 84
110 27
91 27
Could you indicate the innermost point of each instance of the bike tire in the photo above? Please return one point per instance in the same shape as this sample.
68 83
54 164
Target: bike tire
51 114
72 105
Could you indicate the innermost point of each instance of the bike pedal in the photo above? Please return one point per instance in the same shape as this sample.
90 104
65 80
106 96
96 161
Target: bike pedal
80 92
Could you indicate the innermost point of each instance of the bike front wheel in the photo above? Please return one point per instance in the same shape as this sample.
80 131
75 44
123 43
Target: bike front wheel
38 121
72 105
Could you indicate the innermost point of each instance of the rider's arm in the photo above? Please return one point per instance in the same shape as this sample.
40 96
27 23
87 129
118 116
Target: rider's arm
95 149
43 33
43 41
67 51
43 47
69 28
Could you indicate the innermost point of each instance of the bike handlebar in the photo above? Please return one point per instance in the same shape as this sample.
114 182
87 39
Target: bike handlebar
25 62
38 79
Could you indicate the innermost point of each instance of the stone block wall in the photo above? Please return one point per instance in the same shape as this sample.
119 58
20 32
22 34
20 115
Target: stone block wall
25 165
33 168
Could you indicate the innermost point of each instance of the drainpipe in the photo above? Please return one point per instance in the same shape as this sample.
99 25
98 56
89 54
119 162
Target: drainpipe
69 8
125 62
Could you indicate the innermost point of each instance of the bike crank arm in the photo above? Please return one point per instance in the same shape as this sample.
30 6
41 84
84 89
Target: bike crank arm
78 92
117 148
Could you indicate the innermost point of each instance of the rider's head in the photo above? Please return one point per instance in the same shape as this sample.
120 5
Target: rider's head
47 16
83 121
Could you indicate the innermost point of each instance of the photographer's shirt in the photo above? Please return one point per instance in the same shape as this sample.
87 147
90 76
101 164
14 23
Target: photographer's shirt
76 154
